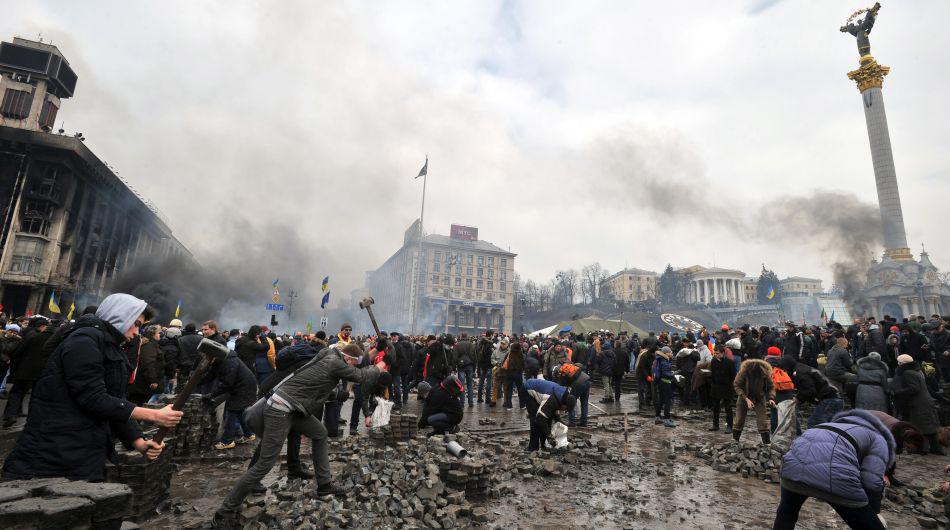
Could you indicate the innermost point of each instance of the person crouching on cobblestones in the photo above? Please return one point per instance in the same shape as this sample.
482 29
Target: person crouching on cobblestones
753 386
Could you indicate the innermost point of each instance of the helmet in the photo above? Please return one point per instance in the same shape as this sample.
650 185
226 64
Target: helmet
453 386
175 323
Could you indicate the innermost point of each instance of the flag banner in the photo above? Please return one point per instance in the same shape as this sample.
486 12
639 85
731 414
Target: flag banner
325 286
178 309
832 314
72 308
309 326
325 301
425 169
276 281
53 306
771 294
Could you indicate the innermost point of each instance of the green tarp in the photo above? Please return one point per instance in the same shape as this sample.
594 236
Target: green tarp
589 324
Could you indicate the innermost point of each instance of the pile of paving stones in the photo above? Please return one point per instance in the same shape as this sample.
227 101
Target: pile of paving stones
60 503
401 427
756 460
198 429
149 481
410 484
925 504
487 421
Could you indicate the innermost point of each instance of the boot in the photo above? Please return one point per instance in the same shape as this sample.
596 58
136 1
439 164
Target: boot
329 489
935 447
299 472
736 434
766 437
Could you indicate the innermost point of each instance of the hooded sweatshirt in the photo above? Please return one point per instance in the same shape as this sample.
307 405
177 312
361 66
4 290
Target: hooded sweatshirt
121 310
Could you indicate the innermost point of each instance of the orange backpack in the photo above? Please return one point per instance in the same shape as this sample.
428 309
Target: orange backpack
569 371
781 381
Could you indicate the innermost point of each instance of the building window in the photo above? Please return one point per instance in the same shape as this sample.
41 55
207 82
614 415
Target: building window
491 285
481 260
468 282
504 262
438 256
436 267
48 115
435 279
491 261
479 284
458 269
27 255
36 218
16 104
480 272
468 294
468 271
445 293
445 280
478 295
490 296
458 282
501 286
491 273
504 274
469 259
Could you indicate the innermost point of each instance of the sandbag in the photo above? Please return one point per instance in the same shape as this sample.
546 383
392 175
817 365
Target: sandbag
559 433
787 411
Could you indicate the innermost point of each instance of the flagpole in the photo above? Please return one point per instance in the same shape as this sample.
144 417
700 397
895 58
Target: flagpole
419 278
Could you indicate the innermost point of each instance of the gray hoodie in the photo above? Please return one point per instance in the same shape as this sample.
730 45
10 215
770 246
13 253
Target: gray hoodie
121 310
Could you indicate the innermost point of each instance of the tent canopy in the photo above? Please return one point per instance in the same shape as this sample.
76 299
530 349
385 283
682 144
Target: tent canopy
589 324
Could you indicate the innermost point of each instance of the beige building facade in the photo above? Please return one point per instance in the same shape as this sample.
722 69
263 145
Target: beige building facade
631 285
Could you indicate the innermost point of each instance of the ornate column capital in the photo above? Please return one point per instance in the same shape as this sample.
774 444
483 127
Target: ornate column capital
870 75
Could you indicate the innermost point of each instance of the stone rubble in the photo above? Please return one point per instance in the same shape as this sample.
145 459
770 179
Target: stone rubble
149 481
198 429
756 460
401 427
61 503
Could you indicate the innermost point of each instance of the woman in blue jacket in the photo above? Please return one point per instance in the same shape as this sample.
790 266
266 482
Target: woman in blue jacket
843 463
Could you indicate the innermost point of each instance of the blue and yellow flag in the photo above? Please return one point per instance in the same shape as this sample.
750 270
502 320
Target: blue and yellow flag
178 309
72 308
276 281
771 294
309 325
326 284
53 306
325 301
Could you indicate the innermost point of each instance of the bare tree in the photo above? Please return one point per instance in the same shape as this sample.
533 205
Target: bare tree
592 276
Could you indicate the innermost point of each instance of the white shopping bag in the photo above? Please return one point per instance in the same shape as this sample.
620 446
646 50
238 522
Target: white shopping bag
787 412
382 412
559 433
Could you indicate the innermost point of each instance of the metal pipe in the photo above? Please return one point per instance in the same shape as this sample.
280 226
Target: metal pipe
456 450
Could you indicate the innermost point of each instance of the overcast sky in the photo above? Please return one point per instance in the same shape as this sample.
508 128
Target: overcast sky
548 125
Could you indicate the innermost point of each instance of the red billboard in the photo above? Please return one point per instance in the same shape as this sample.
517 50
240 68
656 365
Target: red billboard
464 233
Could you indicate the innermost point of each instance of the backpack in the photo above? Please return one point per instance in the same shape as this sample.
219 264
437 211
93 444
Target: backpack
781 381
569 372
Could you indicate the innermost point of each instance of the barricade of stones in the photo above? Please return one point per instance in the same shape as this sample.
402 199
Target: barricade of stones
926 504
401 427
61 503
198 429
397 486
749 459
149 480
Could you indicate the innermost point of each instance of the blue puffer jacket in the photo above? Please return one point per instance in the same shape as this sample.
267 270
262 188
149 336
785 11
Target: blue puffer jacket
823 464
662 367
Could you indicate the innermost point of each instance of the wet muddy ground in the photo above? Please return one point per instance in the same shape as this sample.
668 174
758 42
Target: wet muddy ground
652 487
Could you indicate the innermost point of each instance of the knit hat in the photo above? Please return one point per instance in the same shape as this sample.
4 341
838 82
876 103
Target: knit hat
666 349
725 327
773 351
894 329
904 359
875 355
13 327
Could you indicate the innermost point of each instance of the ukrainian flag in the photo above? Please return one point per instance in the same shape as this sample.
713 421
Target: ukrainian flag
325 301
326 284
178 309
771 294
53 306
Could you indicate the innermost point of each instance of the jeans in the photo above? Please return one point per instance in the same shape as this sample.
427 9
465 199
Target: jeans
608 388
616 381
686 392
234 426
633 362
644 392
395 390
484 378
440 423
717 405
406 386
534 440
512 380
467 378
664 399
331 418
825 410
791 503
583 397
15 398
293 452
277 425
355 410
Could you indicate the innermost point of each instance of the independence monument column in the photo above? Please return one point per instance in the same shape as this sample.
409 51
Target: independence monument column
870 78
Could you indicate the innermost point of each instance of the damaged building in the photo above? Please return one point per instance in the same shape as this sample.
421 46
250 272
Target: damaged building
70 223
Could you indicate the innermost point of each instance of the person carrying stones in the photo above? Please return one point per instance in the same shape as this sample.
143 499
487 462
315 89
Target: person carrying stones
290 405
443 408
545 400
753 386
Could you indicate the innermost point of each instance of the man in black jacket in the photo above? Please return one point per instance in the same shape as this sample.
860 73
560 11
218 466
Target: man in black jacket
236 387
26 365
406 366
465 353
443 409
249 347
188 353
812 387
483 353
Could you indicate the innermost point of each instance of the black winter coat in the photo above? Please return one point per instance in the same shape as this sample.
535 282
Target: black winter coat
910 390
171 352
621 362
29 358
723 373
437 364
406 358
236 384
810 385
465 352
483 351
188 351
438 401
78 408
150 370
247 349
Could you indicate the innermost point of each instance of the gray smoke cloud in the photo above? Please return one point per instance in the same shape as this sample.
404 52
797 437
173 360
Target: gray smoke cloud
668 179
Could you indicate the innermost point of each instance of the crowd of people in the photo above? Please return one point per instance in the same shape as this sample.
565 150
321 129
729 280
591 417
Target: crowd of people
873 384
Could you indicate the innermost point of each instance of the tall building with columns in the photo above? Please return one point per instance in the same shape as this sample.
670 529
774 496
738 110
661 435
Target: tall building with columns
714 286
898 285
